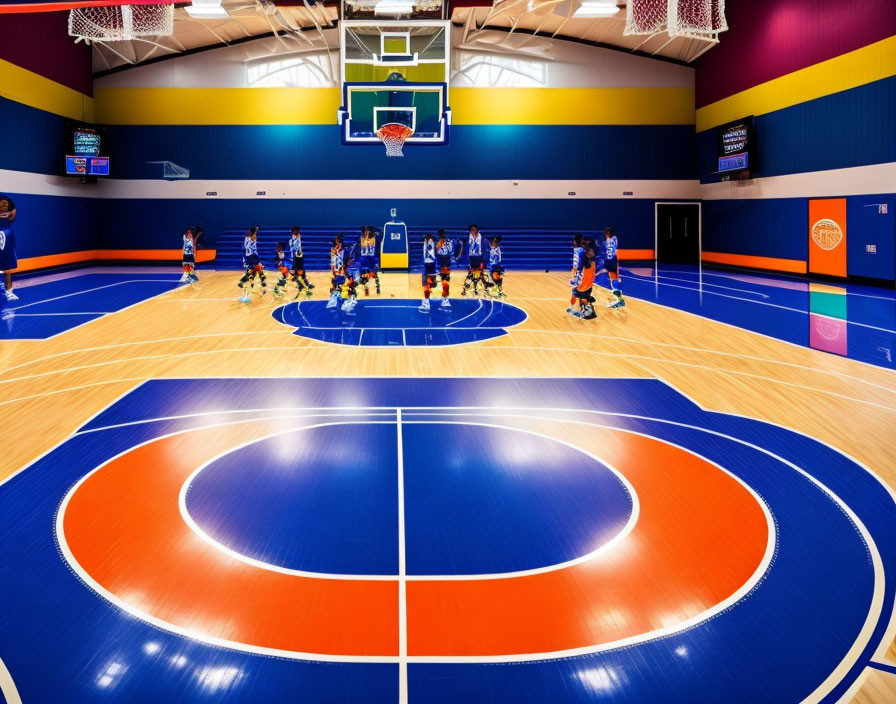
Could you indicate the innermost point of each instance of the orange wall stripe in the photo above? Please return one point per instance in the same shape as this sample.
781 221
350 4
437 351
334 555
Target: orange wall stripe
635 254
50 260
793 266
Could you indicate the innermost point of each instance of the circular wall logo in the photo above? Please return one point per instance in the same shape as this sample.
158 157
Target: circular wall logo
827 234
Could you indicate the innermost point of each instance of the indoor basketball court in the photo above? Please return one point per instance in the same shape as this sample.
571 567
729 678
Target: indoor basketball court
423 351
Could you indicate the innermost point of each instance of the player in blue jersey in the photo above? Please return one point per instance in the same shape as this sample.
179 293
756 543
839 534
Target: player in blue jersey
429 270
298 263
189 257
578 262
584 287
495 278
8 259
369 269
352 264
447 252
477 265
281 261
337 271
611 264
254 267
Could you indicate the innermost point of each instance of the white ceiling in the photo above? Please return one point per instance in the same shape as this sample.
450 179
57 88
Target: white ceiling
507 25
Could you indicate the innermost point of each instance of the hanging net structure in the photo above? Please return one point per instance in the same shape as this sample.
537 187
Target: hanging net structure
692 19
115 23
393 135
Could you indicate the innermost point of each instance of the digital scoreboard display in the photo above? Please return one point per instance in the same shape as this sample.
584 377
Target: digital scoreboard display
76 165
736 145
85 151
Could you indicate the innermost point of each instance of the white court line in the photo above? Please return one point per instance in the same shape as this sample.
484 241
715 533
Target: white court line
402 576
55 315
502 350
478 308
639 277
7 686
90 290
101 591
747 300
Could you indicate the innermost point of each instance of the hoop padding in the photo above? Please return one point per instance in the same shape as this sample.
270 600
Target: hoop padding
691 19
117 23
393 135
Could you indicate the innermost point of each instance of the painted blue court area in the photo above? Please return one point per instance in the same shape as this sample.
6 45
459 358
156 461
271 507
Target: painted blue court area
47 309
445 479
849 320
399 322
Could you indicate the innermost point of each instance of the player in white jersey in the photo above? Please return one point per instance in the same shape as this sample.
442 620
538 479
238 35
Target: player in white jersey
188 260
611 264
474 250
578 264
8 258
298 263
429 270
254 267
447 252
495 278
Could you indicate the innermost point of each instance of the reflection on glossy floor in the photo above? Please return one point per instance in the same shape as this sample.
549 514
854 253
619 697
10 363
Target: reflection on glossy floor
651 506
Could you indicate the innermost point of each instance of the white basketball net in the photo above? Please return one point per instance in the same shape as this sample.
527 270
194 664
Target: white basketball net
692 19
120 22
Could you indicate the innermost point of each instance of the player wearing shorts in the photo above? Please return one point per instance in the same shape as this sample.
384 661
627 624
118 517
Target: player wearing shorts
337 271
281 261
429 270
8 259
369 269
254 267
585 285
447 251
578 262
474 250
189 257
495 279
298 263
352 277
611 244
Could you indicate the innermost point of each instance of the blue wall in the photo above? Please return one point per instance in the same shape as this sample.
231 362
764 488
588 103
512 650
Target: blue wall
160 223
54 224
779 227
474 152
855 127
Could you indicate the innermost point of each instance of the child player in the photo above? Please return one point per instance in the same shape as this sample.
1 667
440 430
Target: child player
298 263
474 249
495 268
189 257
282 263
578 261
445 256
352 278
429 271
337 271
611 264
254 268
582 292
367 245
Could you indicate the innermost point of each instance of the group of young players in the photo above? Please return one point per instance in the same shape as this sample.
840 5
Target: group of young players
589 260
357 265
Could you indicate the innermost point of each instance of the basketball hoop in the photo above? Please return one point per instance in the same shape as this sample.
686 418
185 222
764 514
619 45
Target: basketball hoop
393 135
691 19
120 22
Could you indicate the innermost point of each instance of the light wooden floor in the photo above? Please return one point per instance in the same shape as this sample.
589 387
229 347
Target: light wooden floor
49 388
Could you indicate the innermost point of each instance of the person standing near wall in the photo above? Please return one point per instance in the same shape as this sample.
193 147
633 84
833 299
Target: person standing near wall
8 259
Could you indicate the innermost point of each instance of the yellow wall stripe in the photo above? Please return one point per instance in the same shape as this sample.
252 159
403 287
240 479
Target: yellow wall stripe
24 86
572 106
856 68
470 106
217 106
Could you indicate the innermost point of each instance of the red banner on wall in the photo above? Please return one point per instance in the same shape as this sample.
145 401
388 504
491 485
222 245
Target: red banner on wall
827 236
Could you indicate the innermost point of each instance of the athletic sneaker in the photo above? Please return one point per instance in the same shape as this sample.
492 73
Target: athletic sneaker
618 304
349 305
244 298
184 278
424 307
446 304
10 296
333 302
